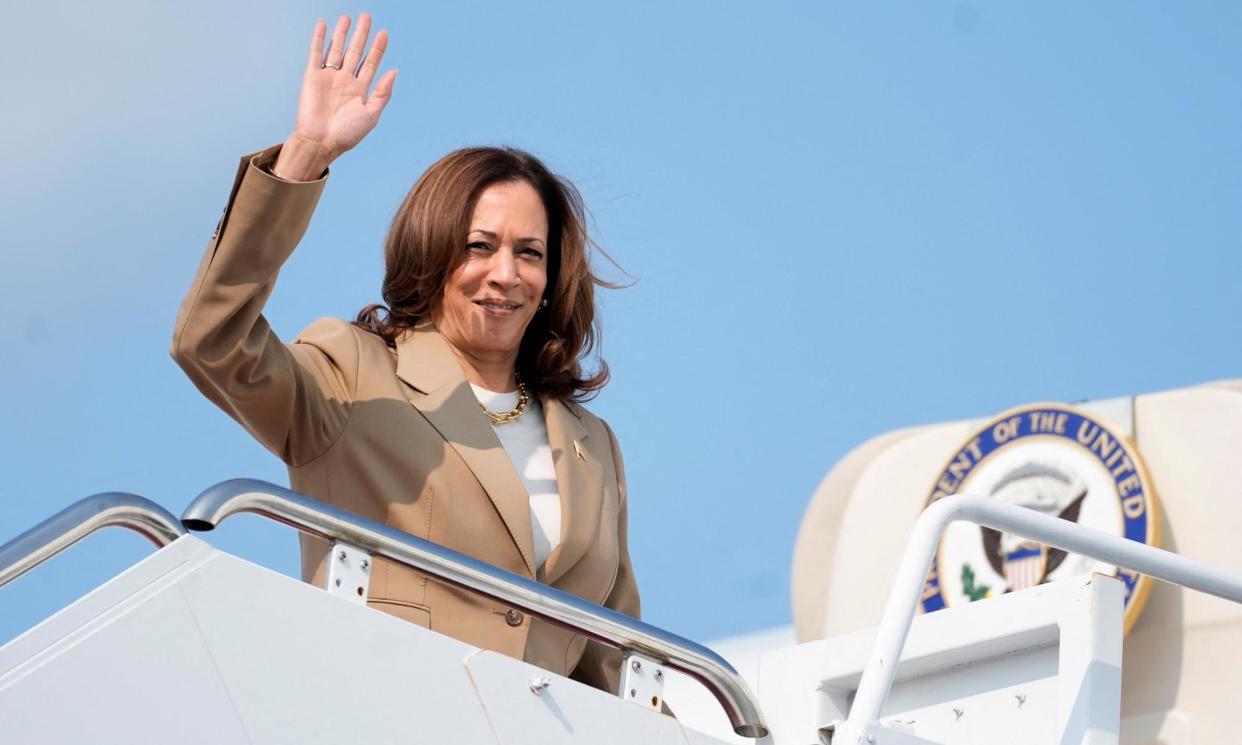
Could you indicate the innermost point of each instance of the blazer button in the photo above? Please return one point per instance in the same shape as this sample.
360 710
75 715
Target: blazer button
513 617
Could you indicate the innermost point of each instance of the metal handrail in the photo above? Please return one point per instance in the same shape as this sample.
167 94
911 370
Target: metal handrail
569 611
877 677
80 519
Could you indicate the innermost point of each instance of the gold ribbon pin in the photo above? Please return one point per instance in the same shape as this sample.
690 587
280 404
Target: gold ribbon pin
578 450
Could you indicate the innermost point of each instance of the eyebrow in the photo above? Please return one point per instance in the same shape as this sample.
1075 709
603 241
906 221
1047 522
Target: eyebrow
492 235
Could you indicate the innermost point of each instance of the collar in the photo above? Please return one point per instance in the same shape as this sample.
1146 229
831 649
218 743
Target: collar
443 396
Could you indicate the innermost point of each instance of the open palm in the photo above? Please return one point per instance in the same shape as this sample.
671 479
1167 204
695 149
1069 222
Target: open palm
335 110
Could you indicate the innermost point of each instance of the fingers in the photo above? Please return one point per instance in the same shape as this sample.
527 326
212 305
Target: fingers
356 44
314 60
382 94
336 53
366 73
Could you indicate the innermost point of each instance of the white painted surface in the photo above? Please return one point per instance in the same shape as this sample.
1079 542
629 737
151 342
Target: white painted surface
303 666
145 577
565 712
195 646
348 573
963 670
1089 672
141 674
883 736
642 682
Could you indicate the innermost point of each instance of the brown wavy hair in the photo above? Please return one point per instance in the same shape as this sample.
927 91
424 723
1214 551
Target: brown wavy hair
426 242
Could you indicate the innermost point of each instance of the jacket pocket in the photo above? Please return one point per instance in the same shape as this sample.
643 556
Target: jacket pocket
406 611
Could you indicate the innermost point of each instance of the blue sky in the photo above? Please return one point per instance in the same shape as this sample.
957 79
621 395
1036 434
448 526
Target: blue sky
843 219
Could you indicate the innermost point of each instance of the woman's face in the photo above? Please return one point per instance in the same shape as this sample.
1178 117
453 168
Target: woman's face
491 297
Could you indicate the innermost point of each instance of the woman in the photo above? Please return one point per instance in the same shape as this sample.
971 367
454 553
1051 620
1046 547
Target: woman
451 416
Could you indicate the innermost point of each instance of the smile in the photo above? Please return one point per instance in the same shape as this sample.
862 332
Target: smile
498 307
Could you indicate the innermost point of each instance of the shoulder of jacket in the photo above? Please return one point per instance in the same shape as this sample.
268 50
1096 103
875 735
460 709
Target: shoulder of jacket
592 422
580 411
337 334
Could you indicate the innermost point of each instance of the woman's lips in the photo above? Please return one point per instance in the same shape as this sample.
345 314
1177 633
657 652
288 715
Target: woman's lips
498 308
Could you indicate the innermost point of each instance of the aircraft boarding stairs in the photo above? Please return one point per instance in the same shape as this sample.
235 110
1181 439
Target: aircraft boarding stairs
193 645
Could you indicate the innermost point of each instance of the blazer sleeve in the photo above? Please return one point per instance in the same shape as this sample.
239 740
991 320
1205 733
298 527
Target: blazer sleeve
295 398
600 665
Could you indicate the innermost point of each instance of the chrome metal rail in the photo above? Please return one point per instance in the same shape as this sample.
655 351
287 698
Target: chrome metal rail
80 519
877 677
604 625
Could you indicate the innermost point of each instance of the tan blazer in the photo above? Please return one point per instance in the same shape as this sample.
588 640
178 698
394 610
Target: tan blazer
397 436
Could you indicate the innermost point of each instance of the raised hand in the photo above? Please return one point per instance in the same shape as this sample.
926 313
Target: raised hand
335 110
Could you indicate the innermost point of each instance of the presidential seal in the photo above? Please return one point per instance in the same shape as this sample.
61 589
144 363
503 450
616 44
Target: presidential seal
1060 461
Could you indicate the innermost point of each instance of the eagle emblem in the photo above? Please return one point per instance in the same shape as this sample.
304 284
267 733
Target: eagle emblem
1058 460
1042 487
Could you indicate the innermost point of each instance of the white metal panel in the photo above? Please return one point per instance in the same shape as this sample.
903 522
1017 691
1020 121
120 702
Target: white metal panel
138 674
1164 728
349 572
972 703
1089 674
564 712
993 671
149 575
694 737
642 682
1183 658
1118 411
804 687
883 736
307 667
195 646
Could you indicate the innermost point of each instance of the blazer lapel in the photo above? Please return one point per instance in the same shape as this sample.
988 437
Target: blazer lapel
426 363
580 482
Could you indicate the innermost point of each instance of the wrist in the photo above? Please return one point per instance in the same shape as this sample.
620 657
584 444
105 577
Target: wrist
301 160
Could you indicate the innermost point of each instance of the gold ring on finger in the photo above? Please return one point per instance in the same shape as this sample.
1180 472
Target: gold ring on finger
334 67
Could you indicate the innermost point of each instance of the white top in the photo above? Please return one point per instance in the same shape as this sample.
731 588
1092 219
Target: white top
526 443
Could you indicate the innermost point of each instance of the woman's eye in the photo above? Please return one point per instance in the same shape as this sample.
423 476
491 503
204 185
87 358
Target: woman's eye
477 246
533 252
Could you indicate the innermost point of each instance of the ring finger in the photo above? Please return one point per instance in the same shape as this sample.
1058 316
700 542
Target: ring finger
336 52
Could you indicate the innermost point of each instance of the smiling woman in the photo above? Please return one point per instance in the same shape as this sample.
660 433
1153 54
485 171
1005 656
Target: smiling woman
452 411
491 297
510 238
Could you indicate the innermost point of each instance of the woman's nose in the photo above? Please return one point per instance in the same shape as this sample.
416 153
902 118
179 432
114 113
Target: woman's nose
503 269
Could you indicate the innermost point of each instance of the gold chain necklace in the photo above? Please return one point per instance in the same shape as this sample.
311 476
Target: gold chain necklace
504 417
